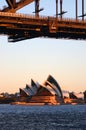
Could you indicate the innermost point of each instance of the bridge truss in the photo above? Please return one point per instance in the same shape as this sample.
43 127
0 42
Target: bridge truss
20 26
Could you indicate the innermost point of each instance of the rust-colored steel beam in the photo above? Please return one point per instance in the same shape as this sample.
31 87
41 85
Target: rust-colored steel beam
14 2
18 5
10 4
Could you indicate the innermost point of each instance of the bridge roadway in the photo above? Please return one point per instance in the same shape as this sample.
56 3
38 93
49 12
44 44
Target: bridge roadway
20 26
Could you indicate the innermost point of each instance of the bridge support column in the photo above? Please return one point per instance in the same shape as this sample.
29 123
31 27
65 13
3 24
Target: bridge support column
61 8
76 9
14 2
82 9
11 4
56 8
37 8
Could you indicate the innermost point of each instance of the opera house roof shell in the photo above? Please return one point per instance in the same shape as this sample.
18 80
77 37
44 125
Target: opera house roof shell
50 85
29 90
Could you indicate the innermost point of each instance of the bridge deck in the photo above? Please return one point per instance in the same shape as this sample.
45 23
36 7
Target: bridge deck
21 26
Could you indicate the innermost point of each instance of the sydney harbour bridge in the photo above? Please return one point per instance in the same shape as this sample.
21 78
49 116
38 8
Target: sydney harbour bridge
21 26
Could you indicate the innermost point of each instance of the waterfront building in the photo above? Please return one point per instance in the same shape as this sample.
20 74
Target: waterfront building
77 98
74 95
85 96
48 93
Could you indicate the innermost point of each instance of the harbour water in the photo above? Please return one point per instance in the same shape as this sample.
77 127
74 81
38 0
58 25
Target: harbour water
61 117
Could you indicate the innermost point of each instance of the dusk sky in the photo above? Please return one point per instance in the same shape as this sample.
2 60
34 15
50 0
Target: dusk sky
36 58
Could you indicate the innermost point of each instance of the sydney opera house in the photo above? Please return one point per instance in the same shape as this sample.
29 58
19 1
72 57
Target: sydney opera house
47 93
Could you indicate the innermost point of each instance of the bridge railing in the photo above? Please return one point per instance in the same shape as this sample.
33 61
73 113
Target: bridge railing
48 18
21 15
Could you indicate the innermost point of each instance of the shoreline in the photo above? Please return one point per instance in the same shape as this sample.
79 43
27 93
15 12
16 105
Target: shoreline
44 104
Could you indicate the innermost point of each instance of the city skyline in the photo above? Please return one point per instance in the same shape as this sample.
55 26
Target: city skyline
37 58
